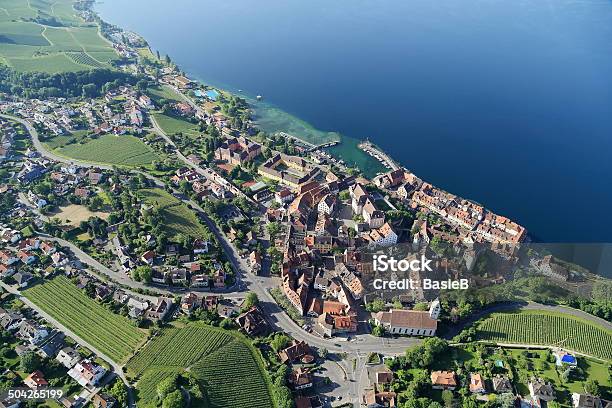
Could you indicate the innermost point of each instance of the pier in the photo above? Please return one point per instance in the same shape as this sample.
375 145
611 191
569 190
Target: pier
379 155
311 146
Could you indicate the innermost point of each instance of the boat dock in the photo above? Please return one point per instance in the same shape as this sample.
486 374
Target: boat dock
310 146
379 155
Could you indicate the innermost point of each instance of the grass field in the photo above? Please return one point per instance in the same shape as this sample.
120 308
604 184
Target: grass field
56 141
163 92
122 150
544 328
67 44
112 334
171 125
178 219
225 363
73 214
525 364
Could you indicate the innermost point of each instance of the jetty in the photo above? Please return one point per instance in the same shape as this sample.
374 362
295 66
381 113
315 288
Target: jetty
379 155
309 146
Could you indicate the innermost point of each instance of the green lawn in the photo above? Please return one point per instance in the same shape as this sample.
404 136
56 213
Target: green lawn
173 124
112 334
178 218
163 92
54 142
122 150
536 365
545 328
520 365
228 367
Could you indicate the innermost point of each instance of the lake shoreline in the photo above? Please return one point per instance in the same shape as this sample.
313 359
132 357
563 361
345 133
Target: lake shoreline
431 128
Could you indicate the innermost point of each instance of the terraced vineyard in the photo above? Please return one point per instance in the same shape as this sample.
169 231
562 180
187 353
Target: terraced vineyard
147 385
178 348
227 366
109 149
84 59
536 327
112 334
65 43
229 372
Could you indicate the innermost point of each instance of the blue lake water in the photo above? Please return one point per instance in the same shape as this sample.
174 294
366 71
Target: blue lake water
508 103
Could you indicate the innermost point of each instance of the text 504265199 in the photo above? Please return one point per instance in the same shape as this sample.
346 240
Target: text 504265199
42 394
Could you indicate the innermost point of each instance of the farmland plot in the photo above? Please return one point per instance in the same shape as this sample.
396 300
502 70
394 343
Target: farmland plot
108 149
227 366
552 329
112 334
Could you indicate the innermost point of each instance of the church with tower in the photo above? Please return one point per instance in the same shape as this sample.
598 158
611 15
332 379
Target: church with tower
410 322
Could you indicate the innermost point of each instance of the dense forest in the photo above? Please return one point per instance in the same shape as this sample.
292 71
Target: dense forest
40 85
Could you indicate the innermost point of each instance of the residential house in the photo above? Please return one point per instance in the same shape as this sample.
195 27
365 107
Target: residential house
253 322
68 357
26 257
284 196
136 307
148 257
199 281
59 259
8 258
10 320
300 379
52 345
189 303
298 350
10 403
384 236
372 215
210 302
382 399
200 246
502 384
178 276
87 373
102 400
160 310
379 375
6 271
327 205
47 248
157 276
31 331
36 380
588 401
541 391
477 385
443 380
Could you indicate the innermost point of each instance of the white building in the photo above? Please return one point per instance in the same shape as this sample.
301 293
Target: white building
87 374
372 215
68 357
327 204
410 322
